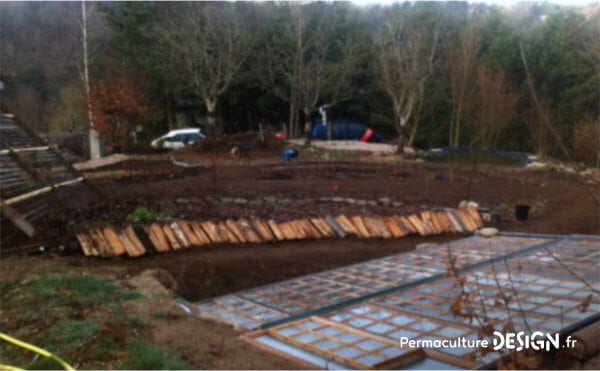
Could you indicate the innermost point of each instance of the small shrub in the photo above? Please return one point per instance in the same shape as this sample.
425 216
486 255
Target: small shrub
163 314
131 295
271 202
586 141
160 314
148 357
135 321
142 214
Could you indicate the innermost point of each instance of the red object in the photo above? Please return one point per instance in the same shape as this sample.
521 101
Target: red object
280 135
367 135
335 185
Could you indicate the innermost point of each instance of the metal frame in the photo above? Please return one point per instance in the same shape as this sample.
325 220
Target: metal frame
38 148
356 283
548 296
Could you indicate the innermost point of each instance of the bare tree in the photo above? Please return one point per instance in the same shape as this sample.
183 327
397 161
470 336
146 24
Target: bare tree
405 56
551 129
311 51
85 77
301 69
46 64
592 47
65 112
211 45
540 129
295 65
281 78
462 71
591 38
496 105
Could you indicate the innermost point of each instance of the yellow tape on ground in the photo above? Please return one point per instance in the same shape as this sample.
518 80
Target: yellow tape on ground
32 348
9 367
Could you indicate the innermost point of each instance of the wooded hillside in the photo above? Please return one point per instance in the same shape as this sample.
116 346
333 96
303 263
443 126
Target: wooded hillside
431 73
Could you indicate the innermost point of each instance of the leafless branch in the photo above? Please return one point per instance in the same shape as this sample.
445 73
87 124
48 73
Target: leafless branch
575 275
551 128
516 295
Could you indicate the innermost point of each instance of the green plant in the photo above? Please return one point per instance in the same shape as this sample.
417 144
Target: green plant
160 314
503 206
135 321
146 357
80 287
80 318
164 314
45 364
131 295
142 214
271 202
70 334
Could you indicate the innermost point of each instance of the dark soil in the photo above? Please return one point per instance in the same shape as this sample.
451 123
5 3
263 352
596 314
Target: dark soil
208 272
558 205
558 202
249 143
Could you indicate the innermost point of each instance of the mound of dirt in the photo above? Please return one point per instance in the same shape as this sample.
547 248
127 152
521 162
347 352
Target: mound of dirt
154 282
248 142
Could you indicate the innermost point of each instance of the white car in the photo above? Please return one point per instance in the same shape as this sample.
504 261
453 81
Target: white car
178 139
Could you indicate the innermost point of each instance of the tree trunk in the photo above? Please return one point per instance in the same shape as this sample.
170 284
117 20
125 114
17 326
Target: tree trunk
401 139
452 120
293 124
296 122
298 70
211 124
402 117
401 128
456 138
542 139
456 135
307 127
94 143
457 111
93 134
170 110
413 135
542 142
211 120
290 127
416 119
454 129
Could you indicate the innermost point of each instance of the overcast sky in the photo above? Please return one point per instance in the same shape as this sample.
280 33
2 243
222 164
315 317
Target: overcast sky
507 3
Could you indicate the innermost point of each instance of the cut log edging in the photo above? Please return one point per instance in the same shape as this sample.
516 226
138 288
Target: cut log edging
175 235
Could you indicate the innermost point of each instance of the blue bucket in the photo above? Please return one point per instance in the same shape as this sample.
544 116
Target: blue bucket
288 154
